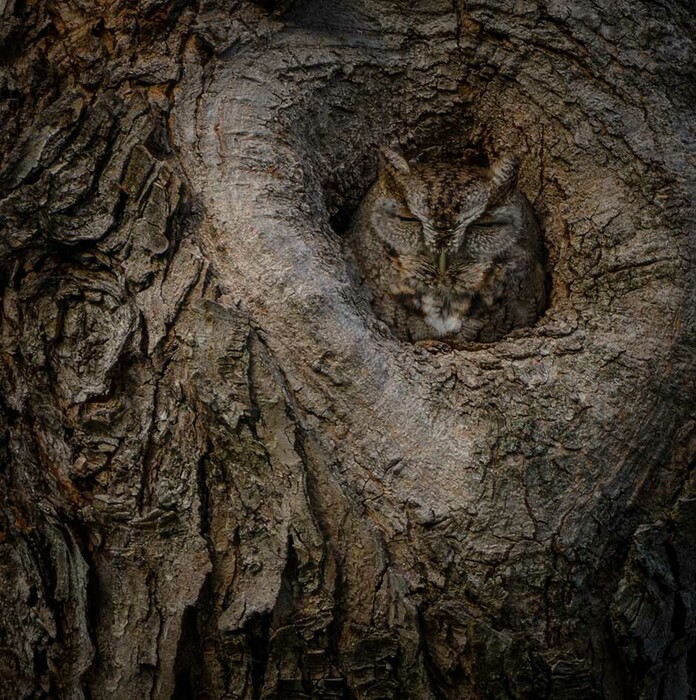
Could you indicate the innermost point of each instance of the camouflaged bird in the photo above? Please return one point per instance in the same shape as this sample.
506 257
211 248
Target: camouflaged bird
449 250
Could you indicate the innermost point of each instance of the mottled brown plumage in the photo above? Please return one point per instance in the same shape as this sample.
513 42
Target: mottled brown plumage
449 250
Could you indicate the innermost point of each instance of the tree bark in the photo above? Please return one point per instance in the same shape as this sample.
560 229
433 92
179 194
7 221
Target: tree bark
222 476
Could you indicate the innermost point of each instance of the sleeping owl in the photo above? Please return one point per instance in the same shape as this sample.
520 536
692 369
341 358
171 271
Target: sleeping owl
449 251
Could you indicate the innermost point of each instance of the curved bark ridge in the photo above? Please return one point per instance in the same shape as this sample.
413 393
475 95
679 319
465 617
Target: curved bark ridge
222 477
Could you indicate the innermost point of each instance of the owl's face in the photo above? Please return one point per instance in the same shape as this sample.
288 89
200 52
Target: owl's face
445 213
443 202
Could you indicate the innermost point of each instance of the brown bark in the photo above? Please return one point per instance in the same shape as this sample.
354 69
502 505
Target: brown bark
222 476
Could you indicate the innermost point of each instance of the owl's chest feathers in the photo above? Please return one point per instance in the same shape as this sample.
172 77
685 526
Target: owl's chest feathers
445 297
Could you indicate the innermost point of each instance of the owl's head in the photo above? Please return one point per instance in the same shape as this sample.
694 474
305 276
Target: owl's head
437 204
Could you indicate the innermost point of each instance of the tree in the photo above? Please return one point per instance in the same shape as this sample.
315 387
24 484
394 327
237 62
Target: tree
222 476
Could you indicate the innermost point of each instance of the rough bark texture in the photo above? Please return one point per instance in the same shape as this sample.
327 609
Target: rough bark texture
222 477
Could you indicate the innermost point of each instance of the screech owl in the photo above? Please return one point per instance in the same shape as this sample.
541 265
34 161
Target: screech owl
448 250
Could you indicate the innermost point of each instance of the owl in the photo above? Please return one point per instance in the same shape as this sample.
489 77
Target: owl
449 251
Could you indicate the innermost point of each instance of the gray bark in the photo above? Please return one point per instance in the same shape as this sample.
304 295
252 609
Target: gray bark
222 476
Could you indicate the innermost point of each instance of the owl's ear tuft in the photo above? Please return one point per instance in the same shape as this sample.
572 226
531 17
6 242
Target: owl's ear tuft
504 172
394 162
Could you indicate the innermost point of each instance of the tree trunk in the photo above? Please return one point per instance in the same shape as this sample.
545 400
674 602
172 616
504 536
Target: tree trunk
222 476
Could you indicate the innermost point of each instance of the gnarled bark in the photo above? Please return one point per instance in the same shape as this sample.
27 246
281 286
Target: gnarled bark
222 476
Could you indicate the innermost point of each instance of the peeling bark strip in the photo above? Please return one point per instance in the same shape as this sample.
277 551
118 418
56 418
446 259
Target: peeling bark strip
221 475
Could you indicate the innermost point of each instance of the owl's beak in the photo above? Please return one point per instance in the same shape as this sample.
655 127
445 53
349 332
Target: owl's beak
442 266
